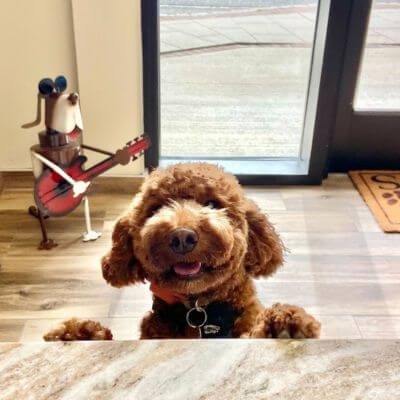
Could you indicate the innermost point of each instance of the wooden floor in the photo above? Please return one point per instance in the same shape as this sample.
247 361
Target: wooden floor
341 267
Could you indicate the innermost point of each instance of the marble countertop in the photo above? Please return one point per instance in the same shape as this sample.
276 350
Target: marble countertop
205 369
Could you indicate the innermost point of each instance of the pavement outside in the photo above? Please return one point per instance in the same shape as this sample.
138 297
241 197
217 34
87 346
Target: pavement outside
234 79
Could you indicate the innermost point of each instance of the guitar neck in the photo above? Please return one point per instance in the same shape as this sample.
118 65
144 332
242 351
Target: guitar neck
110 162
98 169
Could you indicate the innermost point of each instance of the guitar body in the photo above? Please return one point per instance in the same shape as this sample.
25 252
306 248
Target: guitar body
54 195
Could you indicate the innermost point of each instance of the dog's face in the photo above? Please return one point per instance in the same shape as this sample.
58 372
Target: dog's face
191 229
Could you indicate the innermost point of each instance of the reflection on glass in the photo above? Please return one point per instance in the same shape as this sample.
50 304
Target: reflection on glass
234 76
379 79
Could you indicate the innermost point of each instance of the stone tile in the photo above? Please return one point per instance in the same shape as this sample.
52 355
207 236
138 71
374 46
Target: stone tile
386 14
183 40
373 37
264 29
217 39
166 26
379 84
167 47
270 38
310 15
192 28
236 35
217 22
293 21
377 22
296 28
306 34
391 33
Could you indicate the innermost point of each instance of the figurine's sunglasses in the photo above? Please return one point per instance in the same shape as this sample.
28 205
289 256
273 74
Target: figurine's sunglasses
47 86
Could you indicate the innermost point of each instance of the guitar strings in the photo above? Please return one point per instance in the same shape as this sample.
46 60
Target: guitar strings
76 178
68 188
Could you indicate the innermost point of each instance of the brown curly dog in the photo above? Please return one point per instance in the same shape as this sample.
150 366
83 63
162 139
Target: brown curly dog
193 234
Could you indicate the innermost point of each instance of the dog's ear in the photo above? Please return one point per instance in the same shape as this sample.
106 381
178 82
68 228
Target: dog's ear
264 247
119 265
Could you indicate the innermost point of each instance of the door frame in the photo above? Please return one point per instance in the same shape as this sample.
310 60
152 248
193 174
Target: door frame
150 21
362 139
322 96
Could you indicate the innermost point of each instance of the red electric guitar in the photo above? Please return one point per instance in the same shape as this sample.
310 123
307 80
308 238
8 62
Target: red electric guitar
54 195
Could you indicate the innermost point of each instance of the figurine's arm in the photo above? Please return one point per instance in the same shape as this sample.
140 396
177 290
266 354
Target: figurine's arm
87 147
78 187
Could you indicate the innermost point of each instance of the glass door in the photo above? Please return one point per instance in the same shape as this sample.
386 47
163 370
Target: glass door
367 133
241 83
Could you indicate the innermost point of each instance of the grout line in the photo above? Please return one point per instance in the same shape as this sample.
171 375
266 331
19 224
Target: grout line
217 32
234 45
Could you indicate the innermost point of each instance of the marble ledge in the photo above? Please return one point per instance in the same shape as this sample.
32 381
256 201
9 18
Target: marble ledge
206 370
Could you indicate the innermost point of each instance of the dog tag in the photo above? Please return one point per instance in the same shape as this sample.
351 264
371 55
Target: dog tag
196 317
211 329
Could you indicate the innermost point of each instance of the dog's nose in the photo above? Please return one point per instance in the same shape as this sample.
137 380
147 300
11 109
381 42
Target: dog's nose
183 240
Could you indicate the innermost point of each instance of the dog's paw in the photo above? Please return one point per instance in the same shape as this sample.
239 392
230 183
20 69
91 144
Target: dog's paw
76 329
284 321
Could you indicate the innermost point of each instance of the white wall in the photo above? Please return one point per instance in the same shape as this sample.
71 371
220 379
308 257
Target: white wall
38 39
109 59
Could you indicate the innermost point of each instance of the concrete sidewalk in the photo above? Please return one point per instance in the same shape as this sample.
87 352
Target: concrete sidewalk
290 25
249 26
234 83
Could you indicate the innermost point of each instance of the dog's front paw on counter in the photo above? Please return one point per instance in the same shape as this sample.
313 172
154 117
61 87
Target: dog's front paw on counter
285 321
77 329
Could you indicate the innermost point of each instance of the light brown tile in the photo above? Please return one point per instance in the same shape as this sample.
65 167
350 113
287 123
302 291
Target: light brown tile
337 268
338 327
341 267
11 329
334 298
379 327
312 221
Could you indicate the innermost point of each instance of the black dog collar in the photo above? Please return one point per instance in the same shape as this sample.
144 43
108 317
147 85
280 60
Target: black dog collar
216 320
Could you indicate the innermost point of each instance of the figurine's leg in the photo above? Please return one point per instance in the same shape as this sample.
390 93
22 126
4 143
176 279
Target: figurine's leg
46 243
90 234
34 211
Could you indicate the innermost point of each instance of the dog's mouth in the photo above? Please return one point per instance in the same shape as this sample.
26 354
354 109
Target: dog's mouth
189 270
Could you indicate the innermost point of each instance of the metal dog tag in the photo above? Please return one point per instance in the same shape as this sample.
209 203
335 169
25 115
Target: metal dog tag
211 329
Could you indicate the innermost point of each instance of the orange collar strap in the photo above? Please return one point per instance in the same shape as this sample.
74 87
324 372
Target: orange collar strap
169 296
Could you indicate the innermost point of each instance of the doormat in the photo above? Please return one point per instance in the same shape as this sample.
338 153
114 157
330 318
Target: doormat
381 192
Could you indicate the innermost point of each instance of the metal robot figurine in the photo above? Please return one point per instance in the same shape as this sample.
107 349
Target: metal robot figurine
61 182
59 144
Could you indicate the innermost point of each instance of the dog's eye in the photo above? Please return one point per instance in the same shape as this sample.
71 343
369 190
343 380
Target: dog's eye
212 204
153 210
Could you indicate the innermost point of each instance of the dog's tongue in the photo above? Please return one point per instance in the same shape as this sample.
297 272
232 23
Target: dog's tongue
186 269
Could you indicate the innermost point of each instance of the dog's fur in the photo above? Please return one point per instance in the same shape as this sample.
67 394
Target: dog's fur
236 243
